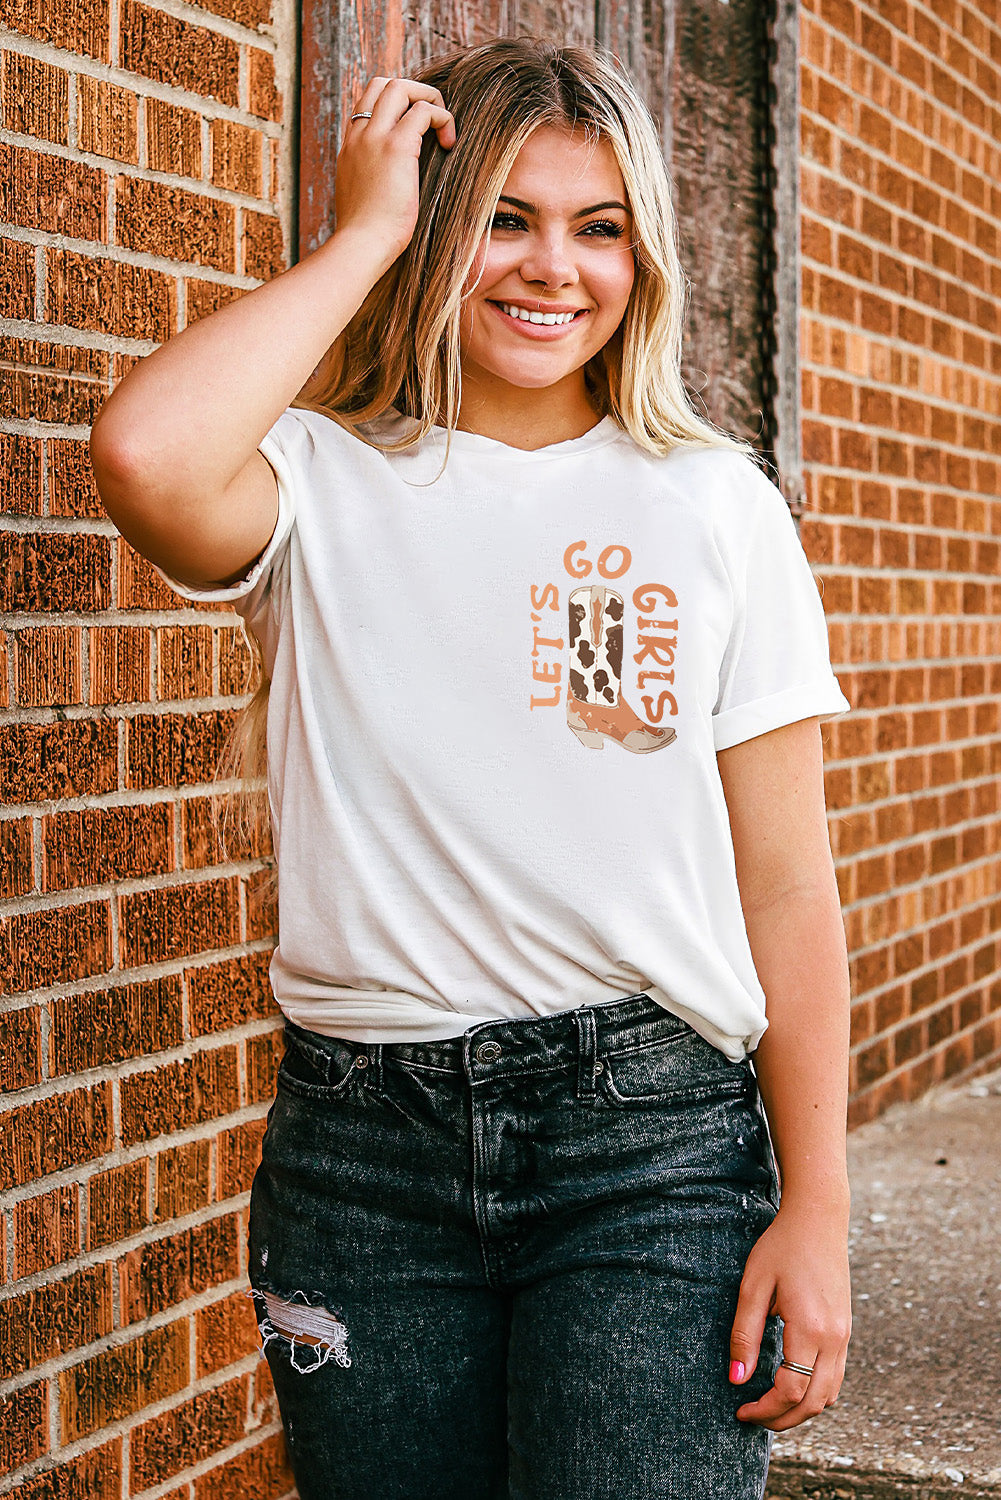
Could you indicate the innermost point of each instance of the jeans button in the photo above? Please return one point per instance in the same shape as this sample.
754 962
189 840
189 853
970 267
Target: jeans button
361 1061
487 1052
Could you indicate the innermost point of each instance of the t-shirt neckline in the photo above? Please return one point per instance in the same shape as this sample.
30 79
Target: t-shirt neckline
604 431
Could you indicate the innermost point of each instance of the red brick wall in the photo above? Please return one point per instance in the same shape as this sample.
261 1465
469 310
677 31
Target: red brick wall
145 174
901 289
137 1037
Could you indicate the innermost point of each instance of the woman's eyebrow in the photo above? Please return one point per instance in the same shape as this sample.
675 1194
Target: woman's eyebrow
581 213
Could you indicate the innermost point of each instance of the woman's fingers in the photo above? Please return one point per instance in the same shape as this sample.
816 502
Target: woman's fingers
795 1397
377 191
391 100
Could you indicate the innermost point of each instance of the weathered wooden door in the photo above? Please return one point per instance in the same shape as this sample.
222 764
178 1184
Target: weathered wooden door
719 76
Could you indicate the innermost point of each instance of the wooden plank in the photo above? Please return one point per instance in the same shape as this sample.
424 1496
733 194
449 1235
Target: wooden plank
642 38
344 43
719 103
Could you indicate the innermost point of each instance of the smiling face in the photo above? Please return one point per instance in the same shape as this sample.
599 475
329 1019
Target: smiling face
549 287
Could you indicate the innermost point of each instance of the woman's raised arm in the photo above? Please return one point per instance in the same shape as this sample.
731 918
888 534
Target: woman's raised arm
174 448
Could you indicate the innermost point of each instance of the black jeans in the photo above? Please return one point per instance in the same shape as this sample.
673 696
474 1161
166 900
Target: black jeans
505 1266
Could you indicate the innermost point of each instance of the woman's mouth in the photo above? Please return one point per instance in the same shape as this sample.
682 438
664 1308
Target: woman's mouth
550 324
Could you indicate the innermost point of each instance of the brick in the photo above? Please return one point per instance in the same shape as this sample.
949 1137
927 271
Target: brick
237 157
36 98
225 1333
139 584
173 139
51 1134
17 300
71 488
109 296
229 993
46 1230
117 1382
182 1180
53 194
175 749
238 1155
100 1027
164 1272
24 1426
94 1475
160 219
51 382
17 875
264 99
263 245
176 921
48 666
54 1318
54 571
189 1433
117 1203
264 1053
107 120
251 13
173 51
183 662
40 948
178 1094
213 834
262 1472
239 672
100 845
20 1049
119 664
206 297
261 902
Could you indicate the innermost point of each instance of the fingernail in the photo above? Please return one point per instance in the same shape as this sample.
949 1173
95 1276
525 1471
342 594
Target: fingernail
736 1370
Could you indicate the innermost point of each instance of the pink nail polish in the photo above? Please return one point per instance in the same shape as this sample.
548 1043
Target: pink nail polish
736 1370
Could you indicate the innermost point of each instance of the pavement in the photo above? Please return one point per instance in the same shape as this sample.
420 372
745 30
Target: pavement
920 1410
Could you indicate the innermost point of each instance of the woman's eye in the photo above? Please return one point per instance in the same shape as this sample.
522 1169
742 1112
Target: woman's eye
507 221
605 229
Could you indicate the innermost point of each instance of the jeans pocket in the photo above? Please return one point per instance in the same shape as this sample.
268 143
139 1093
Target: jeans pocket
663 1069
316 1067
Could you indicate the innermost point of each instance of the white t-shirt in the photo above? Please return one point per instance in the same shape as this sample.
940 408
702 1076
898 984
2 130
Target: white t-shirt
496 702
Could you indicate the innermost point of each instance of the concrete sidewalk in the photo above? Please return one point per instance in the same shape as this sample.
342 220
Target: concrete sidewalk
920 1409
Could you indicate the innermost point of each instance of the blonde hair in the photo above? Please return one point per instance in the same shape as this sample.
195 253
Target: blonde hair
401 349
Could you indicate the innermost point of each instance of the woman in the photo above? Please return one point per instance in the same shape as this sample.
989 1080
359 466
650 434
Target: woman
516 1231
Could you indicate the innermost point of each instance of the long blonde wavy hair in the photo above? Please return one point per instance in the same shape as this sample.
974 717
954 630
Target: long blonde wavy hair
401 348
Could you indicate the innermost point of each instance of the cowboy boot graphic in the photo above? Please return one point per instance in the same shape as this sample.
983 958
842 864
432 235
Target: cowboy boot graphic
596 709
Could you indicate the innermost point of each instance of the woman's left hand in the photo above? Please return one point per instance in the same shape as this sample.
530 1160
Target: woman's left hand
798 1270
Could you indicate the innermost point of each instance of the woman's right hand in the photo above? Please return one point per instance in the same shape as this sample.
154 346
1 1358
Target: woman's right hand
377 186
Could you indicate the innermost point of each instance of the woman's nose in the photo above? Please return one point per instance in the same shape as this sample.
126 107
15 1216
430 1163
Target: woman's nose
547 260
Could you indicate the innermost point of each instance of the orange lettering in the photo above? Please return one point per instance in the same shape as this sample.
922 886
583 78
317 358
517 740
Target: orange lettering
606 570
644 598
655 716
582 567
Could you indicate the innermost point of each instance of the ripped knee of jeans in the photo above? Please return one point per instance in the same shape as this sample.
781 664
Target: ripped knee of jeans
314 1335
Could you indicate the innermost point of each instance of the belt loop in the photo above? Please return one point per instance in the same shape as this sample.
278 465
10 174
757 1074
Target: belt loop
587 1036
374 1051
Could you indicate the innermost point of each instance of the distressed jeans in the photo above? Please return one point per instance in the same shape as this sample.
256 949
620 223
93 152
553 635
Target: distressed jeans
505 1266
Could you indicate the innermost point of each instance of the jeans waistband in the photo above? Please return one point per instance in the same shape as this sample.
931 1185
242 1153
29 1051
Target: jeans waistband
526 1044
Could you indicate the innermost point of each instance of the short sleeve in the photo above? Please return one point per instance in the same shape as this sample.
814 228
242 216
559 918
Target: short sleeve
279 448
777 665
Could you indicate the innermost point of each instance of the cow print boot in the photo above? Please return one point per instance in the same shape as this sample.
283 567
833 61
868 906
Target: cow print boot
596 709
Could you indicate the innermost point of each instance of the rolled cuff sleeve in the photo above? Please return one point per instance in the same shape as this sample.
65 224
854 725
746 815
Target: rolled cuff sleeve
820 700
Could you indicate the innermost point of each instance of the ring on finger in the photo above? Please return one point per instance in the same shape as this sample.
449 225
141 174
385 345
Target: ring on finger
790 1364
363 114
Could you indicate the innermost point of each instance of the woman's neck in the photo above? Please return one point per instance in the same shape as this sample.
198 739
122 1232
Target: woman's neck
526 419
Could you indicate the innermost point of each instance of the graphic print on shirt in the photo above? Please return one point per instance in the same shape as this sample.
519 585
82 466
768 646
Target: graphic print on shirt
596 708
598 638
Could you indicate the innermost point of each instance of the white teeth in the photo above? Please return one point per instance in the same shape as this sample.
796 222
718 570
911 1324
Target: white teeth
536 317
